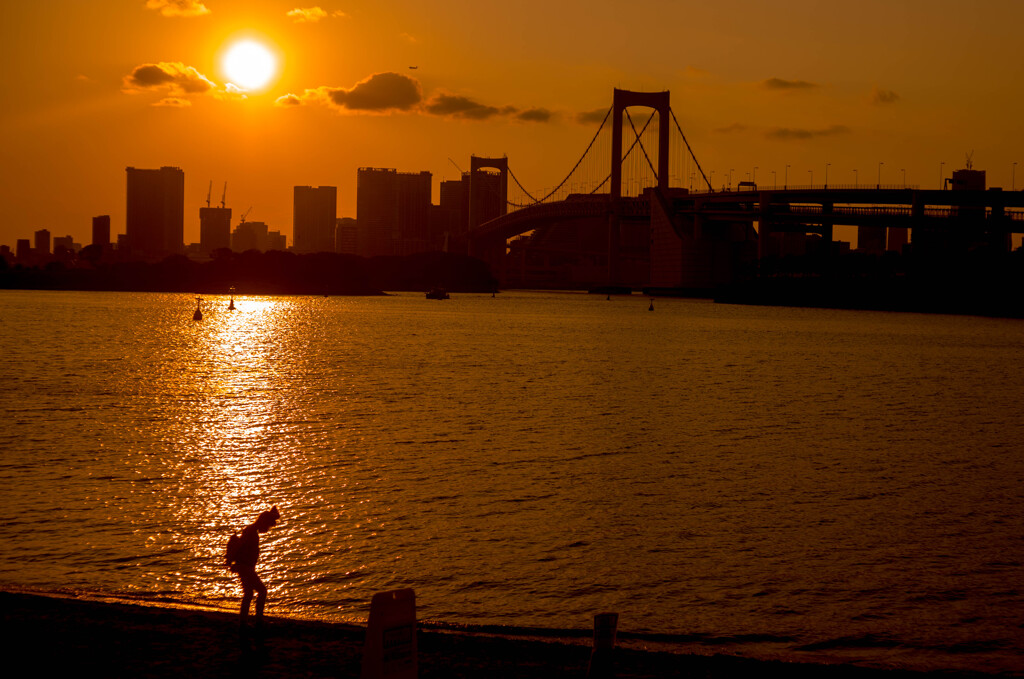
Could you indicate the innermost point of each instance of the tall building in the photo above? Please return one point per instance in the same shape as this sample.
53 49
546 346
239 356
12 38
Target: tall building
214 228
392 211
42 242
155 218
101 231
250 236
346 236
315 212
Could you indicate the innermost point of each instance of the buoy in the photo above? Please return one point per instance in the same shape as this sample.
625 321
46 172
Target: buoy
651 308
231 307
198 315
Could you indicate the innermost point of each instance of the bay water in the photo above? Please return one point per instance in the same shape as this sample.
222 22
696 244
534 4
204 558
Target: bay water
802 484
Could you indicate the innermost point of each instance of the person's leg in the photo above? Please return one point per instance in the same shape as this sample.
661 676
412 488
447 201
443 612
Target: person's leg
247 591
261 597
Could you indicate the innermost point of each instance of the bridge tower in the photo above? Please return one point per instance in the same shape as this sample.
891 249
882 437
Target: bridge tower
621 100
483 204
487 198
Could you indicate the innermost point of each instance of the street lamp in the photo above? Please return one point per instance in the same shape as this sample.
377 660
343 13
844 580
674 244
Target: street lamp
879 185
730 178
775 184
785 179
826 174
941 186
1013 178
812 178
856 180
754 178
904 171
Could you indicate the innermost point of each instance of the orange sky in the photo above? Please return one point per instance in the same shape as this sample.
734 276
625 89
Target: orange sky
93 87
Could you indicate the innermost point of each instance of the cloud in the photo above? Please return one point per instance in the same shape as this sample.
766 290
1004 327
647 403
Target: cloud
171 76
786 133
177 83
461 107
408 38
729 129
178 8
590 117
176 102
880 96
535 115
288 100
387 92
780 84
307 15
380 93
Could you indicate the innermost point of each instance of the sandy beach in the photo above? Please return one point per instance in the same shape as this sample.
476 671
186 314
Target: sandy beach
52 635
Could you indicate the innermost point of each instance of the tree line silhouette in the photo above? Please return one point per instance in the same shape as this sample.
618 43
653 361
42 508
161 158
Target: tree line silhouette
265 273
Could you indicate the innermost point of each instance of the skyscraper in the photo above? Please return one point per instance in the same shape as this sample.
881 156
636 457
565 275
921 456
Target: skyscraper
214 228
155 218
101 232
392 211
315 212
42 242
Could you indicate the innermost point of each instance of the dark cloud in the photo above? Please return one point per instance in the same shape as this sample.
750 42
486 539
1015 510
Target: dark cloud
786 133
460 107
780 84
880 96
385 92
535 115
174 77
178 8
379 93
595 116
728 129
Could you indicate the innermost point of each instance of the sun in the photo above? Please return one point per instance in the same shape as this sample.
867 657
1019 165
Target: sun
249 64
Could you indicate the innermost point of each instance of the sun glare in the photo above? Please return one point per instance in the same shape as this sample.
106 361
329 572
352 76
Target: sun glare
249 65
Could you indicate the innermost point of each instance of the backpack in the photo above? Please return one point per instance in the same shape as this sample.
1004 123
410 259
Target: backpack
231 553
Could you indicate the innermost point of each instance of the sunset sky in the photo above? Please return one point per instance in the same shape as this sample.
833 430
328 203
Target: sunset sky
93 87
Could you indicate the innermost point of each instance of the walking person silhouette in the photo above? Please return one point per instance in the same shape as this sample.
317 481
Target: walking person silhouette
243 553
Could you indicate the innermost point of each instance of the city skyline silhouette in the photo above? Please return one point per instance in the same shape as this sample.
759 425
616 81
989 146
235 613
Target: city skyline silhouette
760 92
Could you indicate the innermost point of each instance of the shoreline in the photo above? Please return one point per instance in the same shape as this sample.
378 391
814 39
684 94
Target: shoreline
146 640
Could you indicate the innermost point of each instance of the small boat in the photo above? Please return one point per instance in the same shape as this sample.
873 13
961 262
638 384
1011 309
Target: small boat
437 293
231 307
198 315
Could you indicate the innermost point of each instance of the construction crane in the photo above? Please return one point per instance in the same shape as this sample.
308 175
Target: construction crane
246 214
224 195
208 192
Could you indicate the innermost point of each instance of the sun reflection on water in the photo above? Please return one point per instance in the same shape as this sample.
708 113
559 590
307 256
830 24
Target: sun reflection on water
233 436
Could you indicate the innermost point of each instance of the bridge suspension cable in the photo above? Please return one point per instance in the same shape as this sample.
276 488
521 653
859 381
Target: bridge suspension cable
696 162
649 163
630 149
638 173
562 183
